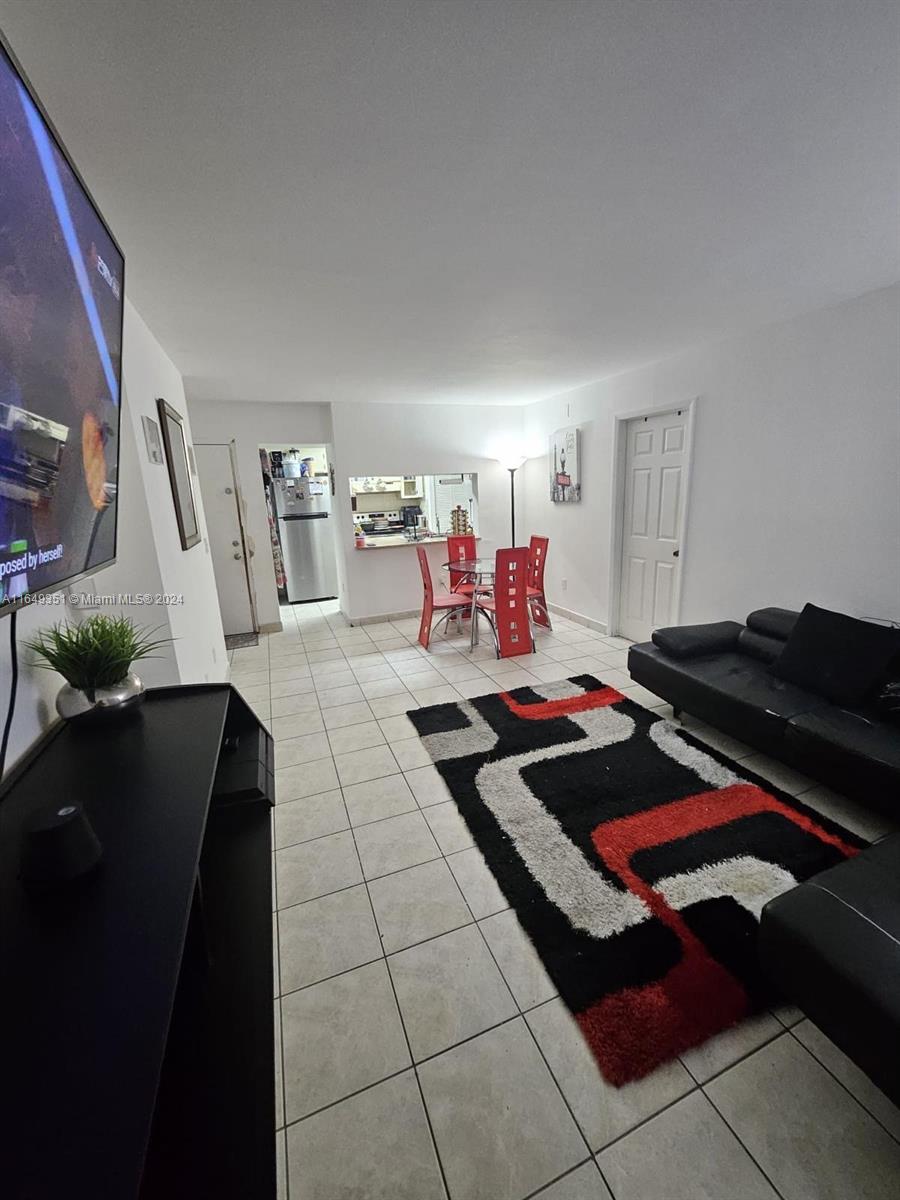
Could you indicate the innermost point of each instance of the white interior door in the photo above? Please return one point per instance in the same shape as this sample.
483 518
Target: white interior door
218 487
655 466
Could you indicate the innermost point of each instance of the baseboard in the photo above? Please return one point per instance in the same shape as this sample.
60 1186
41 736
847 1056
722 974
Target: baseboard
382 618
578 618
271 627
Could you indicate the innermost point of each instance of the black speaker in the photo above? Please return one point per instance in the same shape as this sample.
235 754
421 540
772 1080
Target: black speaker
59 847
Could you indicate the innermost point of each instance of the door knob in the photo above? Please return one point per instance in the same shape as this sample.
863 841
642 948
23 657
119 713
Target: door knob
238 557
235 542
675 553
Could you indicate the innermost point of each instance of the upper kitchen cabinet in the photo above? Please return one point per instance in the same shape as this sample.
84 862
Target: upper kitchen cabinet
376 484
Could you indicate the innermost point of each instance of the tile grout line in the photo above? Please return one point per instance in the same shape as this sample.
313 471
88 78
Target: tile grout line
838 1080
412 1060
347 886
530 1032
520 1012
740 1140
741 1058
620 1137
277 922
544 1188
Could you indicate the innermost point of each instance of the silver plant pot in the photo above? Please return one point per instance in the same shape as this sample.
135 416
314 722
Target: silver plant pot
72 704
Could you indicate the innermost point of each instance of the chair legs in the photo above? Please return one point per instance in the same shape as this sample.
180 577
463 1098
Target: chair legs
490 620
539 612
426 629
450 615
481 612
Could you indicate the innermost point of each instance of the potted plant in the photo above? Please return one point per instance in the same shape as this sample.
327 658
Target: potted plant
95 657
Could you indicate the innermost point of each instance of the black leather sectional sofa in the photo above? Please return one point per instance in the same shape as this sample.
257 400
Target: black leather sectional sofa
722 673
831 945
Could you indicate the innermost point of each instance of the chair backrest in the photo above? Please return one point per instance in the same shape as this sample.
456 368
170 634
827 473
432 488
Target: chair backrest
459 548
537 560
511 601
426 572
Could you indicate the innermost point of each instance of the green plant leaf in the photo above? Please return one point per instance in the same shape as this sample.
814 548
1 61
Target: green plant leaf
96 653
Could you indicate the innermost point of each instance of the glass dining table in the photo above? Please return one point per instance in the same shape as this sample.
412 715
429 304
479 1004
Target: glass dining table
479 571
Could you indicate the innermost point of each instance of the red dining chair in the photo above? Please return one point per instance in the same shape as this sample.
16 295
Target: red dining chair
537 601
507 609
447 605
461 547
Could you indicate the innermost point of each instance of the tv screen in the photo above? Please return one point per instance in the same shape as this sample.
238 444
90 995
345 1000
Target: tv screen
61 298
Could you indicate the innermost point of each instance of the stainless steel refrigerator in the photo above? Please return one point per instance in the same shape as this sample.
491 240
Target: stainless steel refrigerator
303 509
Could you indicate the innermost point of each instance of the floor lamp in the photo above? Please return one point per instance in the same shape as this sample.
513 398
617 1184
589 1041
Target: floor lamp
512 463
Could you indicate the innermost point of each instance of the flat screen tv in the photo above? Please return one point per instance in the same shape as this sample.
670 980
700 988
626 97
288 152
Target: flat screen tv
61 305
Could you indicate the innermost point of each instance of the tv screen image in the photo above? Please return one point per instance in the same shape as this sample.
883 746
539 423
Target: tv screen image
61 305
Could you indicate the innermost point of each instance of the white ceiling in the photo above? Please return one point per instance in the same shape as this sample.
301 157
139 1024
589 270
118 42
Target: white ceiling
473 200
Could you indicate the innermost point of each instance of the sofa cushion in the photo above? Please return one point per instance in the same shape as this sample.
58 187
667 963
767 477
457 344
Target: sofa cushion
759 645
854 751
833 946
773 622
839 657
689 641
735 693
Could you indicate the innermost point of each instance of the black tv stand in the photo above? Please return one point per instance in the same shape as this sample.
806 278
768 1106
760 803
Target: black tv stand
137 1030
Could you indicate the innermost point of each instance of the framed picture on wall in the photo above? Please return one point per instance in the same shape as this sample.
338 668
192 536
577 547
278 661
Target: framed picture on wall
565 469
172 426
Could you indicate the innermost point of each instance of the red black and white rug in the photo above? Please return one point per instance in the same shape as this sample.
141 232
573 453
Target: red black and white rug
637 859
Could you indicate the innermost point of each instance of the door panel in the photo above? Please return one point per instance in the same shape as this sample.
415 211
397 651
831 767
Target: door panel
643 442
654 498
669 506
663 594
640 503
637 572
226 542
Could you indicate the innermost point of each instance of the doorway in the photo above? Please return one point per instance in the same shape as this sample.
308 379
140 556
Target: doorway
652 465
229 545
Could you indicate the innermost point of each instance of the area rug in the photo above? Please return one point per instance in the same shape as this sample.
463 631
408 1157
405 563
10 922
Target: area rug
637 859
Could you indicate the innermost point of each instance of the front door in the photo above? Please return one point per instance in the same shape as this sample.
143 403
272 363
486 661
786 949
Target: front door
655 457
218 487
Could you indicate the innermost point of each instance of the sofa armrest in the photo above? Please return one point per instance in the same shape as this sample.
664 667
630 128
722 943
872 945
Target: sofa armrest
691 641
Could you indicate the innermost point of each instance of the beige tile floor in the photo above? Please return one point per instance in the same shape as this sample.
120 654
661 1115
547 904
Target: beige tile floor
422 1052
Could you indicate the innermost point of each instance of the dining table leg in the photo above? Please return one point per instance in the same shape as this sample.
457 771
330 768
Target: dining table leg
473 619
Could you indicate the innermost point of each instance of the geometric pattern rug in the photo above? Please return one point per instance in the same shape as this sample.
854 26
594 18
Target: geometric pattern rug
637 858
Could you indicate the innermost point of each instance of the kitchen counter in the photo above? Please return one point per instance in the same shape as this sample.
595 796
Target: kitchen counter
389 541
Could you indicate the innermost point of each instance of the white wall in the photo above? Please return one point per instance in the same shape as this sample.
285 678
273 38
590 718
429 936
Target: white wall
795 492
391 439
252 425
195 624
149 559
